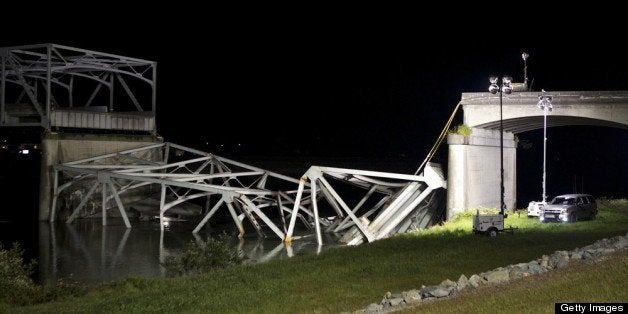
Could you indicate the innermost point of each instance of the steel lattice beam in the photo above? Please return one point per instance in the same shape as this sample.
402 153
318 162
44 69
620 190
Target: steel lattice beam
26 67
198 175
392 198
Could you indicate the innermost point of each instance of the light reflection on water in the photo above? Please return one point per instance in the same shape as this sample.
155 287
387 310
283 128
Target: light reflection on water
88 252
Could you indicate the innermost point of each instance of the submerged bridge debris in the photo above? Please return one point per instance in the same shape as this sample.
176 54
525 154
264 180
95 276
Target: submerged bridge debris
388 203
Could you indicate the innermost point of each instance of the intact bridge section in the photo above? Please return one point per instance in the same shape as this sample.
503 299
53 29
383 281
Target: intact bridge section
88 103
474 165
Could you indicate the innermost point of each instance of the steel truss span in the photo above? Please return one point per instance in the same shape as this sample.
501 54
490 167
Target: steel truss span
269 201
56 86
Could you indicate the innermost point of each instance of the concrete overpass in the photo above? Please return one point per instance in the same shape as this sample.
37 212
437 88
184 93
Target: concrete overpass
474 176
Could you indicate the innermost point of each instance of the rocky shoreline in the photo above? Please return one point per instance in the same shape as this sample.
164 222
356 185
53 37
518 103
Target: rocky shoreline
501 275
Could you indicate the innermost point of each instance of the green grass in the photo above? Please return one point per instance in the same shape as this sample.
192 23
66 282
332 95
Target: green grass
349 278
600 281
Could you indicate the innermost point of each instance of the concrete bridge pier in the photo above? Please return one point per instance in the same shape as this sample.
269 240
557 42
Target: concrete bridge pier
474 171
65 147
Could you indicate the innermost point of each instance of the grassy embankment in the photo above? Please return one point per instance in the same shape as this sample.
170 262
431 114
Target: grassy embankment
600 281
349 278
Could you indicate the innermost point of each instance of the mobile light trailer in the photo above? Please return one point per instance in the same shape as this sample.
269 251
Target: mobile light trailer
490 225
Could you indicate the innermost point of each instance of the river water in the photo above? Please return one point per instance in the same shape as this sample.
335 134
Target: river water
87 252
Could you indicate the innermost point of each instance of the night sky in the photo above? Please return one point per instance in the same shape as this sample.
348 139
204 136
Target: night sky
317 95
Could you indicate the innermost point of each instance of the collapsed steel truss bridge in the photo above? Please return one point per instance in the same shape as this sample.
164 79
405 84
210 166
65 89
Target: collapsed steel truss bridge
266 199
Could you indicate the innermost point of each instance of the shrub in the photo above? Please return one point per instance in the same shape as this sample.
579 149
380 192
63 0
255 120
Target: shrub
61 290
205 257
461 129
17 287
469 213
16 284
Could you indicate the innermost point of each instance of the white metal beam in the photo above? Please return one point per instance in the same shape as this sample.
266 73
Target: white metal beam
209 215
83 202
295 209
120 206
399 216
356 208
261 215
367 234
317 224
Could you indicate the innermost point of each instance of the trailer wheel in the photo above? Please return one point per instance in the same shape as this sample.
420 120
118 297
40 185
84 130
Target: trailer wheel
492 232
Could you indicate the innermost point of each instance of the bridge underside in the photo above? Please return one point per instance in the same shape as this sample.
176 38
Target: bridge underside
524 124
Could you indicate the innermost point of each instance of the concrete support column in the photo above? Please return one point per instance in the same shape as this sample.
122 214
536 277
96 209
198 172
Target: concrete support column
473 178
49 157
65 147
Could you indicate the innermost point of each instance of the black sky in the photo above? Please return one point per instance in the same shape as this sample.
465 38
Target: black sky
309 91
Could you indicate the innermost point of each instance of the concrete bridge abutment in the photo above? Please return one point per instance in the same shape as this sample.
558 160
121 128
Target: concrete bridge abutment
65 147
474 171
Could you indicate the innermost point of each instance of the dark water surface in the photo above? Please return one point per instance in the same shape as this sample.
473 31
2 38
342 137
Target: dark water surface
90 253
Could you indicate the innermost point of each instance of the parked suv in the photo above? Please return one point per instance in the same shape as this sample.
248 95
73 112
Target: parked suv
569 208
